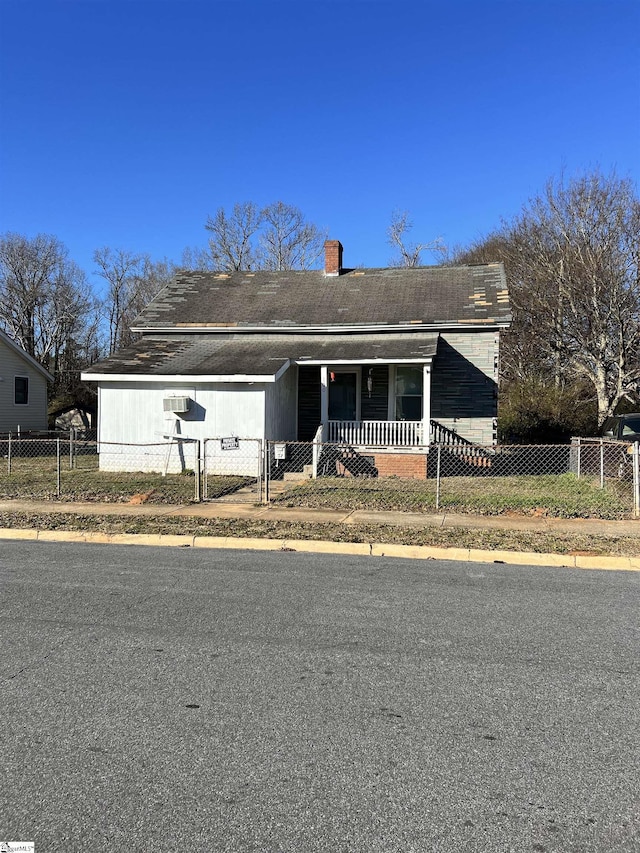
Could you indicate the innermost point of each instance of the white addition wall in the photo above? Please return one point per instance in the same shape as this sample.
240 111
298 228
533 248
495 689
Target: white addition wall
33 415
281 407
133 428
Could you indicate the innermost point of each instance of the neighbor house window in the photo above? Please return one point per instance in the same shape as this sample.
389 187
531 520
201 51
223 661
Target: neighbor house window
408 390
21 391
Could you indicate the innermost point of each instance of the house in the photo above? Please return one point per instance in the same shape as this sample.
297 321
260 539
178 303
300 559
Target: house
23 389
76 416
382 360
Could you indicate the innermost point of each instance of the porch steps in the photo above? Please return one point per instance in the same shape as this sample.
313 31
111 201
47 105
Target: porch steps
456 462
339 460
460 452
477 461
296 476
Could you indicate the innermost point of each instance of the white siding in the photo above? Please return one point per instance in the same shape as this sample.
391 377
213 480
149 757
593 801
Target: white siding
33 415
281 407
132 413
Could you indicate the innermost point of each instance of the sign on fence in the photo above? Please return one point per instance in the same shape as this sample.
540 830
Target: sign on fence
231 443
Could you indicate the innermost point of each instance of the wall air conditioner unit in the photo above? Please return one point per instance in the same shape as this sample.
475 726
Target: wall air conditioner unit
176 404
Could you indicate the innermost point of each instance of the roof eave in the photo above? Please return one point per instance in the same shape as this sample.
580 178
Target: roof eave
182 378
195 328
319 362
25 356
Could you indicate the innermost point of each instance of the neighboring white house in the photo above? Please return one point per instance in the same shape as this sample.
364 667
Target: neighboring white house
382 360
23 389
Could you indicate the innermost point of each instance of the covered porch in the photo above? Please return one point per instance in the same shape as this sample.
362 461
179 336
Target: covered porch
366 405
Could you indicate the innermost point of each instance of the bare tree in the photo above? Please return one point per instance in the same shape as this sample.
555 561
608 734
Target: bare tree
45 301
120 269
197 258
231 242
572 260
153 277
132 282
288 241
410 254
275 238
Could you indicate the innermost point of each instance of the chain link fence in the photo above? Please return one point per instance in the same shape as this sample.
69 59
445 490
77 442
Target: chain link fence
233 470
589 478
69 468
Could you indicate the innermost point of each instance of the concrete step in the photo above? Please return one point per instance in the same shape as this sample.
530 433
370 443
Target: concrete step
296 476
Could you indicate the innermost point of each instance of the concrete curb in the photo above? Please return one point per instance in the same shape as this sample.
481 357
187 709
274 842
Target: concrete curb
413 552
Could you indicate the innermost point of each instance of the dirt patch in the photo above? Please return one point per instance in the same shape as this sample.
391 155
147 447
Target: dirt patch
141 498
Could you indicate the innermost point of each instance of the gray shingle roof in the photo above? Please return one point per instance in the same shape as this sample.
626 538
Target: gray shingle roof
257 355
362 297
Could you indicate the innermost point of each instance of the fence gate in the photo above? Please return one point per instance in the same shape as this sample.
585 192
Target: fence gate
233 470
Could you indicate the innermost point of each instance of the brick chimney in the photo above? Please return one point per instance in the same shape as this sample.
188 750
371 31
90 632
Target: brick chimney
332 257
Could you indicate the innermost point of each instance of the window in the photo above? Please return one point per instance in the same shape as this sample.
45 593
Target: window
631 426
408 392
21 391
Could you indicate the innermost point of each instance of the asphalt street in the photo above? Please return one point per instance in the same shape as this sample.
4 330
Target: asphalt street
170 699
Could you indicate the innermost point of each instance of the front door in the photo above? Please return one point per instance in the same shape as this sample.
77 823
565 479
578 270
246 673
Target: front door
343 399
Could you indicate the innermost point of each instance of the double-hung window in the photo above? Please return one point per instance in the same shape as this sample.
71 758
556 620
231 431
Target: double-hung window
21 391
408 393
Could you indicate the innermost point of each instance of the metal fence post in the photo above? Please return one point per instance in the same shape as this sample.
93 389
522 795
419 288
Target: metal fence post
438 477
265 454
602 463
70 448
578 457
205 494
197 470
636 479
267 470
58 477
9 456
260 470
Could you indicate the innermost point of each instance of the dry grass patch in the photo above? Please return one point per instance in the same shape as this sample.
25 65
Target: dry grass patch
459 537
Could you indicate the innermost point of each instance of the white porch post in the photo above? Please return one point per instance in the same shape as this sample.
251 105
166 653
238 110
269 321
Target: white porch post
324 400
426 407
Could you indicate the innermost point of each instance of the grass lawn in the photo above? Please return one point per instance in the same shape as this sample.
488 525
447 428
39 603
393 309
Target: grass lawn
35 479
559 495
562 495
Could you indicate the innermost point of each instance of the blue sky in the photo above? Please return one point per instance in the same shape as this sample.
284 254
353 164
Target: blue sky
127 123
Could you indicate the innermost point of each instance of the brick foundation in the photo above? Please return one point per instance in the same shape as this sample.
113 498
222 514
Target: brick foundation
411 465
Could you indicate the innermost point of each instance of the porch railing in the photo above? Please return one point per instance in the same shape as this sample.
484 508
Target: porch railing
378 433
449 440
441 434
